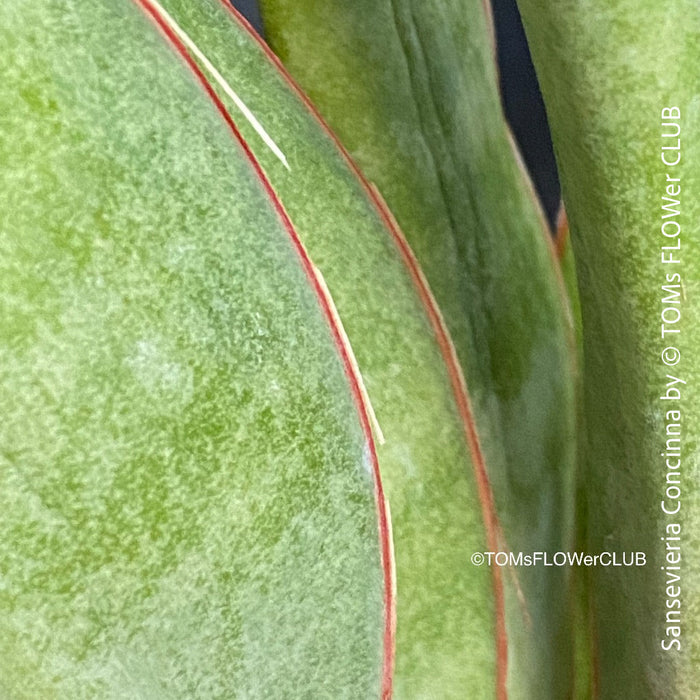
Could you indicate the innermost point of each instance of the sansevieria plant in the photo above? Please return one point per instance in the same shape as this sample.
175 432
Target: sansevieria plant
285 362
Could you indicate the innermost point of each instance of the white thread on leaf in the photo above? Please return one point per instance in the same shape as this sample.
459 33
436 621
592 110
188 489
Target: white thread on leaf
259 128
351 357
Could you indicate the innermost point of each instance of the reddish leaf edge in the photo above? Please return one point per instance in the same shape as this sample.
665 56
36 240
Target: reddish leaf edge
561 235
555 242
447 349
555 245
386 548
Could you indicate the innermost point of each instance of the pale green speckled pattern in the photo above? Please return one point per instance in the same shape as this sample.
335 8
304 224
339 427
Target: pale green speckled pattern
186 503
607 70
410 87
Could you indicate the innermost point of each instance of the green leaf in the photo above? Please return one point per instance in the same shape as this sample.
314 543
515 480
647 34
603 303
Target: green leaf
410 88
448 624
187 499
608 70
565 256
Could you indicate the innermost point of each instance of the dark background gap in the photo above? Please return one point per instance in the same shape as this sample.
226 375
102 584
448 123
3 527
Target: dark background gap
521 96
249 9
523 105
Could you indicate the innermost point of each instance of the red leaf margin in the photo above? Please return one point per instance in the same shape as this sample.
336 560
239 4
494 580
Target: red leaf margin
457 380
386 548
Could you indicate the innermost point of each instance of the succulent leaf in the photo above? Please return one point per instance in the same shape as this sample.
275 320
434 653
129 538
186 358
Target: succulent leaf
430 458
410 89
188 494
608 71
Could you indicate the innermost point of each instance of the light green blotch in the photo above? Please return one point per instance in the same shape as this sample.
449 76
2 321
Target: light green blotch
186 504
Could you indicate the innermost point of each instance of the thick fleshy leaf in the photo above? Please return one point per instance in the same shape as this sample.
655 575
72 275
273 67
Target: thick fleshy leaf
449 613
187 500
581 580
608 72
410 88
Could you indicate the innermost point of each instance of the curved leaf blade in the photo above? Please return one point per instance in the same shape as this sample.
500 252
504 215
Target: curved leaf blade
425 124
446 613
185 475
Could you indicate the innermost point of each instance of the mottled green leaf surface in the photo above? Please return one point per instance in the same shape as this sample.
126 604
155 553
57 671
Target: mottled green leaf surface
410 88
445 635
187 504
607 70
